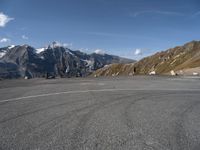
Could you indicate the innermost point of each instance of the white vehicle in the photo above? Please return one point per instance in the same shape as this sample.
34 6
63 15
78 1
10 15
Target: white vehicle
195 74
173 73
152 73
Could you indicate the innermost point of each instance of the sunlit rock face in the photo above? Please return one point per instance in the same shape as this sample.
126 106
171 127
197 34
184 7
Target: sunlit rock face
56 59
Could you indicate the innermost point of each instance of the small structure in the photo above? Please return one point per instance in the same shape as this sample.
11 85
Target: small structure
181 72
50 75
26 78
173 73
195 74
152 73
130 74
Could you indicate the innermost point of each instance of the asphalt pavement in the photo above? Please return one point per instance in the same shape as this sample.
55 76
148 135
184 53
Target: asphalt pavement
121 113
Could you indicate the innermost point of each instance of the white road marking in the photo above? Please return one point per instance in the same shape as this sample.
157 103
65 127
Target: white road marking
87 91
86 83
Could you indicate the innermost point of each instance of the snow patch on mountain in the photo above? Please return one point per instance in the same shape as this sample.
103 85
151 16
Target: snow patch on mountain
68 51
2 53
100 52
39 50
89 62
11 46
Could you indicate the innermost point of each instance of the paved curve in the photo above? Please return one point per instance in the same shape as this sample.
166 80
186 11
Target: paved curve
150 113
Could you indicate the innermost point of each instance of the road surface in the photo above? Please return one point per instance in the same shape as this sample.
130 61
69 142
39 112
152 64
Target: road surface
123 113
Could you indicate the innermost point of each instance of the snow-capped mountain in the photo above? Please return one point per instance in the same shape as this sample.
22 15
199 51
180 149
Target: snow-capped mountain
39 50
2 53
4 50
24 60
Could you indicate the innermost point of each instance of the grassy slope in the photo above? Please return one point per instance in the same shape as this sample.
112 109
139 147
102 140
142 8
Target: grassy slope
178 58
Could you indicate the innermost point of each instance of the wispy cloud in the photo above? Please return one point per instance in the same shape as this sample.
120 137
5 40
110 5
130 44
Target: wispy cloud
85 50
60 44
196 14
100 51
4 40
24 37
4 19
171 13
132 53
68 45
138 52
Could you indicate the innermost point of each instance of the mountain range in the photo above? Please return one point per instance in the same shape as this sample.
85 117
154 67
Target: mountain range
26 61
179 60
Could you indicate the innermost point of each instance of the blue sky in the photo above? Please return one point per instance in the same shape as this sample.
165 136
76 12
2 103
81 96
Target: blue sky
129 28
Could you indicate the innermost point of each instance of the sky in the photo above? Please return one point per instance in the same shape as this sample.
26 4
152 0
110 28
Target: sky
128 28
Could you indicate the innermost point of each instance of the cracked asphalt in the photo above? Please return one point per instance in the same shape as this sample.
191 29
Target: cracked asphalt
121 113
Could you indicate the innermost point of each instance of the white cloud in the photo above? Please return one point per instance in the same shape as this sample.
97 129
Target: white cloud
24 37
59 44
68 45
138 52
4 40
84 49
100 51
56 44
4 19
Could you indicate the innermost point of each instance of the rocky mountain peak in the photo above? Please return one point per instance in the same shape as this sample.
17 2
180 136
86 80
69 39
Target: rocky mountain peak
56 59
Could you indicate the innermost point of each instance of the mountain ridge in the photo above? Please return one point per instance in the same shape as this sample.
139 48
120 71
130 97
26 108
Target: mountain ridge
24 60
175 59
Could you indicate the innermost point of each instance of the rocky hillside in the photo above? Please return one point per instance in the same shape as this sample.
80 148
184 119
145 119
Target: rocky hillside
115 70
21 61
178 59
